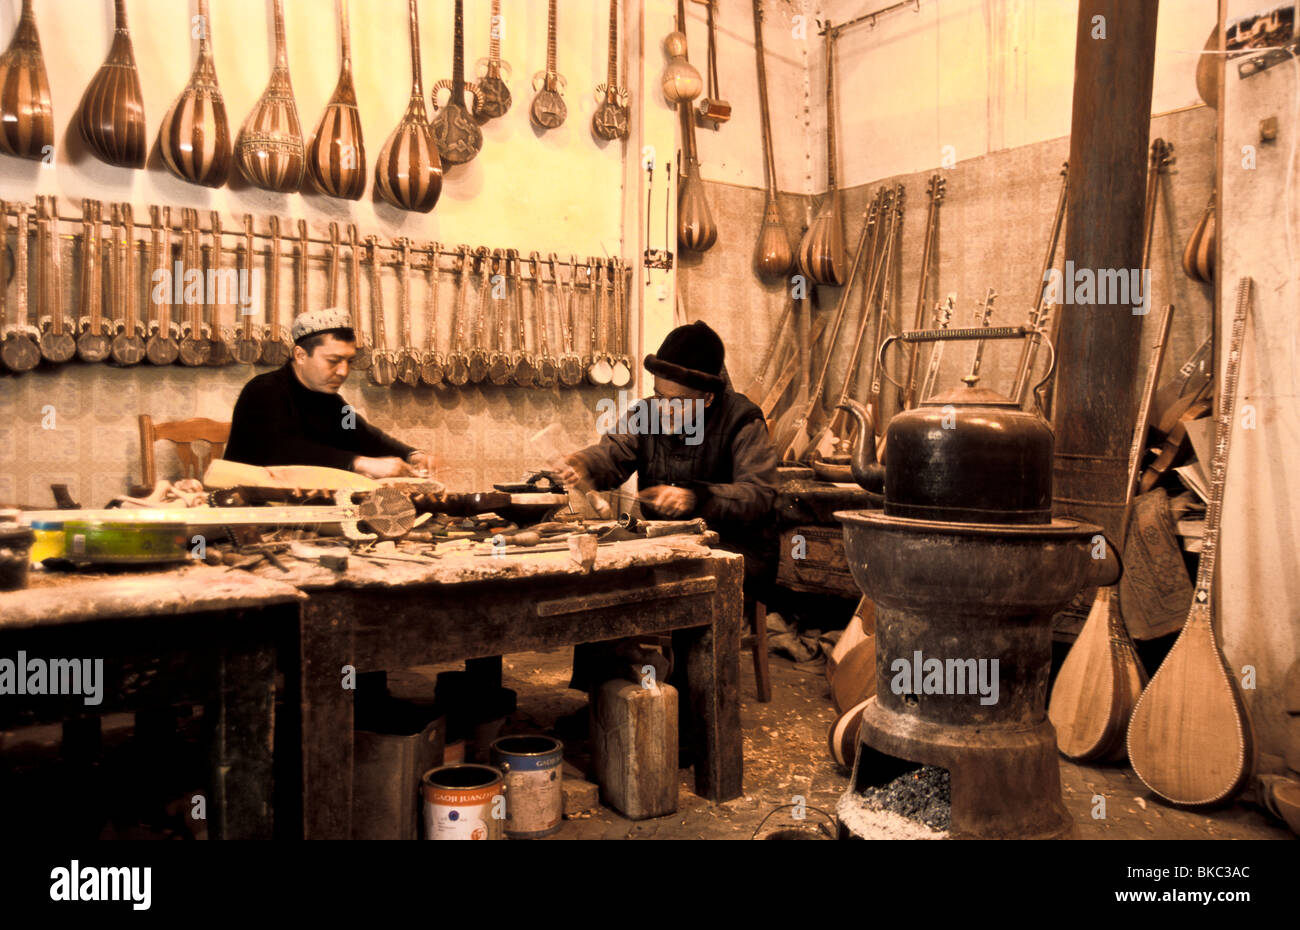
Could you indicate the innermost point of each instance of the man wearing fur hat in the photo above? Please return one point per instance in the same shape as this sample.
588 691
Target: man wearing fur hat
295 415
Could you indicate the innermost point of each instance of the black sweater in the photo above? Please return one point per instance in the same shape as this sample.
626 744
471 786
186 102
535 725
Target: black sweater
280 421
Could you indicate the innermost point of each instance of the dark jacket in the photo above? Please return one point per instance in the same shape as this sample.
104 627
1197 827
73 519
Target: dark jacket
731 471
280 421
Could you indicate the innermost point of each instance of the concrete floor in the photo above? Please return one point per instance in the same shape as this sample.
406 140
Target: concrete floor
786 757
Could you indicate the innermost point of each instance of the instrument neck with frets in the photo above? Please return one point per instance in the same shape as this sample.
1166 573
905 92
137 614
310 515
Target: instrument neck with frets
493 99
610 121
459 137
549 109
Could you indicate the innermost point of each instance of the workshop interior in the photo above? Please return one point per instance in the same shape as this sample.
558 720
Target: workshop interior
649 419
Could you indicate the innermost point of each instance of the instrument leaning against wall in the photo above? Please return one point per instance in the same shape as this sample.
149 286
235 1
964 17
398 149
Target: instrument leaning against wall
270 150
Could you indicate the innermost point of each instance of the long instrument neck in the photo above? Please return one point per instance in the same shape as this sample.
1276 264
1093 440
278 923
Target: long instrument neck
458 57
119 16
1144 417
760 54
494 39
830 111
345 36
550 38
281 48
1222 441
417 79
611 74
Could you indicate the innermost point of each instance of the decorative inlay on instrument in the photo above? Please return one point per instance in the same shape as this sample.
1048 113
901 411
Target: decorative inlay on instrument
408 174
336 155
270 149
194 137
26 114
195 347
493 99
111 118
610 121
549 109
128 344
248 348
499 364
458 135
408 359
570 373
478 357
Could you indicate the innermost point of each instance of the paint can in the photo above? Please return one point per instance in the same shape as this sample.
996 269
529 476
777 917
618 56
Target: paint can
535 801
460 802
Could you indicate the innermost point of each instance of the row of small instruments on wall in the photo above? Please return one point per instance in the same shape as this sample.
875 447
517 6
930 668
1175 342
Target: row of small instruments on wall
537 322
194 138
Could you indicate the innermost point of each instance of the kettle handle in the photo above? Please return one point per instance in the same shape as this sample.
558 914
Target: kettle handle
954 335
1051 372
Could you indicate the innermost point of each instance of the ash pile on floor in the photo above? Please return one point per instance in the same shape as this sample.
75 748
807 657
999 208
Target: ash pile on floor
915 805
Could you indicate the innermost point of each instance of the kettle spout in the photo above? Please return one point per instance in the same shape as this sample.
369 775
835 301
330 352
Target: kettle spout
867 472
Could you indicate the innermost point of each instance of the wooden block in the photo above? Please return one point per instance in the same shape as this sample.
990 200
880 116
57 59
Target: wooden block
582 549
580 796
634 748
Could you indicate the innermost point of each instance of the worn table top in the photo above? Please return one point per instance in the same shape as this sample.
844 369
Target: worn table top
54 598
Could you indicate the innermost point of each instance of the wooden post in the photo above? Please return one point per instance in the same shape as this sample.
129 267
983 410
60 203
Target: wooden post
1096 384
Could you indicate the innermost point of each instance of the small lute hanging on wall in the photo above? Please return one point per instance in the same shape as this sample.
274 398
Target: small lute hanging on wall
459 137
336 155
194 137
549 109
493 99
821 254
610 121
111 117
1190 738
1198 256
408 174
775 258
270 150
26 114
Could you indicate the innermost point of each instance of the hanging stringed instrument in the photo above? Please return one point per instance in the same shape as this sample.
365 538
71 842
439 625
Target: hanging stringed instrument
621 373
713 109
408 174
95 341
361 361
57 343
111 118
336 155
459 137
248 348
128 344
493 99
1190 737
774 256
19 350
383 367
276 347
1041 312
525 372
270 150
1198 256
195 346
433 366
457 370
549 109
547 365
570 373
500 365
821 254
194 136
408 359
161 348
26 114
1099 684
610 121
935 189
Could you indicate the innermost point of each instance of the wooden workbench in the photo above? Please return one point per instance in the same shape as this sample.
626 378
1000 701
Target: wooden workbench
464 606
194 633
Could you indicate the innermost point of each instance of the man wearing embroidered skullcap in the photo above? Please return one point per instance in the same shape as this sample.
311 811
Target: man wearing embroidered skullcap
295 415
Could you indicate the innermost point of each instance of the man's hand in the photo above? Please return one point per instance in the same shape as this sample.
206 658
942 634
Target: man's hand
422 463
573 475
382 468
674 502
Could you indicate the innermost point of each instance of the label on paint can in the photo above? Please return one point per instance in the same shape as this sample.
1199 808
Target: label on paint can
535 804
473 812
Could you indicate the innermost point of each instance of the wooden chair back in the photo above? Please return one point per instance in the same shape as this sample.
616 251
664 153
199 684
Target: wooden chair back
184 433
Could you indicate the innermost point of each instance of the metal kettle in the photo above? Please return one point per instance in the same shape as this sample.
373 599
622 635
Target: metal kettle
970 455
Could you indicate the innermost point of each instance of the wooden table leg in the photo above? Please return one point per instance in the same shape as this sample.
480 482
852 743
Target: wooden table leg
326 714
242 741
712 702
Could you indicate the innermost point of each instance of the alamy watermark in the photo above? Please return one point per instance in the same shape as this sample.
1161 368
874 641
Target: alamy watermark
1125 287
217 287
945 676
652 416
53 676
